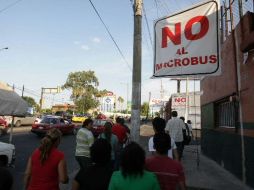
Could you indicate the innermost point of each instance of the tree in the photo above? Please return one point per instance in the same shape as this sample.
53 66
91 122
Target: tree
145 109
121 101
31 102
84 89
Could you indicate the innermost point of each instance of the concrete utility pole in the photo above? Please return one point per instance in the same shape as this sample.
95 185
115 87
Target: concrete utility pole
42 89
178 85
136 75
23 89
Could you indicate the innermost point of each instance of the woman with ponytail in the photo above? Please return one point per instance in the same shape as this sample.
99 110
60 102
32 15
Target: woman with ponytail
47 166
113 141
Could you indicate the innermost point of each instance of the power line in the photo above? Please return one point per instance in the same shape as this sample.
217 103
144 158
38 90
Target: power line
156 5
9 6
112 38
149 33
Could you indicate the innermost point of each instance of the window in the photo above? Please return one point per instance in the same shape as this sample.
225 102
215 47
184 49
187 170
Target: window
226 113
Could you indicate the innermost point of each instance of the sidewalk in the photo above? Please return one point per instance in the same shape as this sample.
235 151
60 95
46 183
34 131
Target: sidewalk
208 175
203 175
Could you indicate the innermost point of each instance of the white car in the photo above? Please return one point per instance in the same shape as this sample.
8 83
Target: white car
18 121
7 154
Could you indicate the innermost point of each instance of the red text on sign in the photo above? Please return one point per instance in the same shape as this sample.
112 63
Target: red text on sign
176 37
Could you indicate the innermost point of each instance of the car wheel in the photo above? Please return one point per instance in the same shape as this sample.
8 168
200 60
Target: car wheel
18 123
1 132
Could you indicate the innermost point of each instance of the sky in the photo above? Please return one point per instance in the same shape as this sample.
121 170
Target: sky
48 39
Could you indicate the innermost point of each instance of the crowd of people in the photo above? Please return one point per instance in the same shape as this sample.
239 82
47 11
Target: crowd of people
111 161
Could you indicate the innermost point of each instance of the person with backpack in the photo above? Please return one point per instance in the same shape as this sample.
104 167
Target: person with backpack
174 128
186 133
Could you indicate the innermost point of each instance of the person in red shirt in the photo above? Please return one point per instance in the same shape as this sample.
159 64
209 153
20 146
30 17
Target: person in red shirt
169 172
121 134
119 130
46 167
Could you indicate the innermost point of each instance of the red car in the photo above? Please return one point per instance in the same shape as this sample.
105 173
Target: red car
3 126
49 122
98 126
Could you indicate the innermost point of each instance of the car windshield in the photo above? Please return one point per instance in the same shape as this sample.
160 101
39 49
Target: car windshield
48 120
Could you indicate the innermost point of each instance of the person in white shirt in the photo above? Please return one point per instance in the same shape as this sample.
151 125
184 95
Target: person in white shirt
84 141
174 128
159 125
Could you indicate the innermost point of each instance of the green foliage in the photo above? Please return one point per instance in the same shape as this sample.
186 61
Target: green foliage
46 111
84 90
145 109
31 102
120 100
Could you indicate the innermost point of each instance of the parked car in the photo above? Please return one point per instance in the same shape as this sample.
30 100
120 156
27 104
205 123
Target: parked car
3 126
40 118
19 121
98 126
79 118
7 154
49 122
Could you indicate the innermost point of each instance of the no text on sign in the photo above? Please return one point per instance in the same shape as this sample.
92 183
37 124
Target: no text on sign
187 43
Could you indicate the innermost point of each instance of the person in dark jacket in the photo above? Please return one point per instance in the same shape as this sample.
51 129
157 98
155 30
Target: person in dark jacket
96 176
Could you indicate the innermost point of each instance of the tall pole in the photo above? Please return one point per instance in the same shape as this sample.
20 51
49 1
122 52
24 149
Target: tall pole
148 106
23 89
136 73
127 98
222 25
231 14
178 85
187 100
42 89
240 5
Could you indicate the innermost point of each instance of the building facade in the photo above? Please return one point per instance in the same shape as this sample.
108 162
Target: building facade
227 105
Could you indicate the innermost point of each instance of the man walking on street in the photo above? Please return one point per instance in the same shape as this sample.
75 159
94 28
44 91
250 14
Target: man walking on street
84 141
174 128
159 125
169 172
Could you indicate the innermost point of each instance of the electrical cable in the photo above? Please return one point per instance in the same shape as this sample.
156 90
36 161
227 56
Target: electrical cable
149 33
112 38
9 6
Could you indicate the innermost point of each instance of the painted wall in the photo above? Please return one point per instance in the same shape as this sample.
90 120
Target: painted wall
224 145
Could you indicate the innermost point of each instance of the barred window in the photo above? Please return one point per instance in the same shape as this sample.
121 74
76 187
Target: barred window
226 114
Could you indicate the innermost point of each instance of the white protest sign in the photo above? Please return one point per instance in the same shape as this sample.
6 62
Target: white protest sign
187 43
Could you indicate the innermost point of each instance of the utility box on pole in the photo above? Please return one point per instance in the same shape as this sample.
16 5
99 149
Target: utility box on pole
136 76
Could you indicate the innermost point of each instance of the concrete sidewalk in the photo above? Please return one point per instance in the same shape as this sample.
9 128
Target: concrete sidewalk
204 173
201 172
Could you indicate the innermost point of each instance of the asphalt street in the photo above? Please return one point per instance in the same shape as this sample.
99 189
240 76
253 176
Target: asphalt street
25 143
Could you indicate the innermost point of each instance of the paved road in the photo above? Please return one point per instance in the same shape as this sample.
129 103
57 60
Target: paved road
25 142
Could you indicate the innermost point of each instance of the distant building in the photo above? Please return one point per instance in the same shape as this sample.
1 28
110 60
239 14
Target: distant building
63 107
186 106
